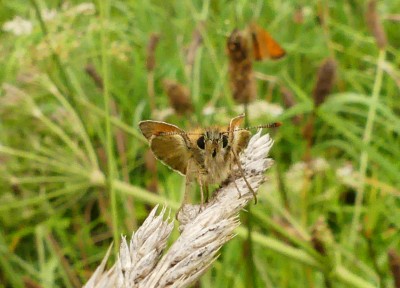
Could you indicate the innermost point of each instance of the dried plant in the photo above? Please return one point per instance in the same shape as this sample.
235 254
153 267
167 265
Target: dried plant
375 25
150 64
394 263
151 48
325 80
92 72
321 237
150 162
203 232
179 96
137 261
289 101
190 53
241 75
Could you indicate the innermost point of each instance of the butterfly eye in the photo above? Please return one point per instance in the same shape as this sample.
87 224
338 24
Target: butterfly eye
201 143
224 141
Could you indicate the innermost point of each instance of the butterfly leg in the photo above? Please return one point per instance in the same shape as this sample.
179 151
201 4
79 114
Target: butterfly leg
207 192
234 181
185 199
203 188
237 188
188 184
244 177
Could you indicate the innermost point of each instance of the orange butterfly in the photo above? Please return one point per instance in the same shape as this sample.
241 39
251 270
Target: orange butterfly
264 46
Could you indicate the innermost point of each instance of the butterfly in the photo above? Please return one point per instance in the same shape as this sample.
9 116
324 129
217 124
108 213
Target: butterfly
264 46
207 156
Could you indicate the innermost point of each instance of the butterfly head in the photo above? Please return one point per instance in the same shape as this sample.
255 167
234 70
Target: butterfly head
211 143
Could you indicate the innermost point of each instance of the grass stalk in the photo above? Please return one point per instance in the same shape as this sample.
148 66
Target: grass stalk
63 136
366 142
346 277
114 120
104 15
68 168
248 221
42 179
84 135
55 56
38 199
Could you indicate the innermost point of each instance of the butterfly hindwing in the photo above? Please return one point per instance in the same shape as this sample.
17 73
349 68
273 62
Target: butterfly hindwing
172 151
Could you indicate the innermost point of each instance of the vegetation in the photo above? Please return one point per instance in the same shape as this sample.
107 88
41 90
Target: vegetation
75 174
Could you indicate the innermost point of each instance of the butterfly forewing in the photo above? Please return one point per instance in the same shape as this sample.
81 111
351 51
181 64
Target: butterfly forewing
156 128
168 142
274 49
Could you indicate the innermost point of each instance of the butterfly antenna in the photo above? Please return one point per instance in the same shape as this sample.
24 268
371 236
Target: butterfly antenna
270 125
170 133
176 133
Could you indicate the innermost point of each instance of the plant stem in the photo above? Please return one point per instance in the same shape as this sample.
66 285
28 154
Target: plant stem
143 194
366 141
46 161
104 14
38 199
114 120
345 276
63 136
55 56
80 126
248 221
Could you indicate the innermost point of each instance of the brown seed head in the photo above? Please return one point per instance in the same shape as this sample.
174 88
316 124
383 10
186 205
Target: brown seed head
321 236
289 101
241 75
179 96
394 263
151 47
92 72
325 80
375 25
197 40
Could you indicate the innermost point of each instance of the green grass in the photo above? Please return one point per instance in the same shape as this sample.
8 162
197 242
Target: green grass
68 189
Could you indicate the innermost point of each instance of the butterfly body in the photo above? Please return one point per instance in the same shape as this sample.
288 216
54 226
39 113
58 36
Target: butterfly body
212 159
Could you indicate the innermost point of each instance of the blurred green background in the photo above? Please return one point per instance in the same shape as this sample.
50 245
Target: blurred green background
74 169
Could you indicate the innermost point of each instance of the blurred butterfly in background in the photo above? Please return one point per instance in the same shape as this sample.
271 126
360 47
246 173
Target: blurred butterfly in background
264 46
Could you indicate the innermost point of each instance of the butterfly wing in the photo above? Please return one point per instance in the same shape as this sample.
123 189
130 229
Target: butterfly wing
238 139
168 142
156 128
264 45
235 123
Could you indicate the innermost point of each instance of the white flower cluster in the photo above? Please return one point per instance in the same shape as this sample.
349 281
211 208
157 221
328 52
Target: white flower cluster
18 26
